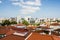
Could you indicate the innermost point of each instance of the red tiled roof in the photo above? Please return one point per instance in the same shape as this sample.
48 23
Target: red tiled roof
37 36
56 37
3 31
7 29
2 27
55 24
13 37
31 26
10 32
20 24
20 29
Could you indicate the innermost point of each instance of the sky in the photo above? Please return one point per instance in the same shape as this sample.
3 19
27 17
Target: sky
33 8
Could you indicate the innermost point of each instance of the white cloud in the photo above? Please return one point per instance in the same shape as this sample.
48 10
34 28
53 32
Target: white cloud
0 1
29 10
37 3
14 0
15 3
28 7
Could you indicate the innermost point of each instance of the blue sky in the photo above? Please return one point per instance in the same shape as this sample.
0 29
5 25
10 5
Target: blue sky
39 9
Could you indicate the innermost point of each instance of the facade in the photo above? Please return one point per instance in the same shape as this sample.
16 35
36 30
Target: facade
21 26
13 19
19 19
30 19
37 20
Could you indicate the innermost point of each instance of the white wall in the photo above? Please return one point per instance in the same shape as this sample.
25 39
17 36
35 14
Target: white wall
55 27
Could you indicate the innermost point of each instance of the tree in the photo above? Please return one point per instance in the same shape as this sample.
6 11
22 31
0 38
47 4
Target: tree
38 24
13 22
25 22
0 24
22 18
58 20
6 22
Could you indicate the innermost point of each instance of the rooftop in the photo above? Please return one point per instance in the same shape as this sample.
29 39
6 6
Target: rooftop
20 24
33 36
13 37
37 36
9 33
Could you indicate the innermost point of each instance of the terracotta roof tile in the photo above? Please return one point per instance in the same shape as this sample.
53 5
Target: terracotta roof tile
55 24
56 37
20 24
20 29
3 31
36 36
13 37
10 32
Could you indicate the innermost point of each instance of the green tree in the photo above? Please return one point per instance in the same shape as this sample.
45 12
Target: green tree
58 20
25 22
13 22
38 24
6 22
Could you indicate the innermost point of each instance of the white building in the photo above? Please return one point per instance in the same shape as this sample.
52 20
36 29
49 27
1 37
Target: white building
13 19
37 20
30 19
19 19
27 18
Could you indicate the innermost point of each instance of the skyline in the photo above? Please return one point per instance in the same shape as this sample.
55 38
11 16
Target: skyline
34 8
